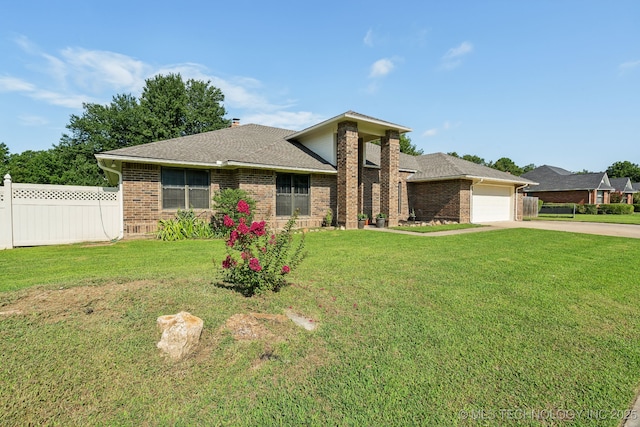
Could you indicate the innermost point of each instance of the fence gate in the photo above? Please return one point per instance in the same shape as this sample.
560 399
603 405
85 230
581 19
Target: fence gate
39 214
530 206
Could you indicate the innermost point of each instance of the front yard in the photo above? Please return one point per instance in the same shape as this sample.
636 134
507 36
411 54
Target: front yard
506 327
612 219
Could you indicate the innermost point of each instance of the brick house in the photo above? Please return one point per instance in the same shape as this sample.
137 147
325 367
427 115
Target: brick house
624 189
557 185
331 165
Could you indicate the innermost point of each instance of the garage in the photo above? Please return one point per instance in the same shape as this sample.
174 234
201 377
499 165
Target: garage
491 203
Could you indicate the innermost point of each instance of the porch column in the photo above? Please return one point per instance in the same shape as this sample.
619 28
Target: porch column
389 176
347 164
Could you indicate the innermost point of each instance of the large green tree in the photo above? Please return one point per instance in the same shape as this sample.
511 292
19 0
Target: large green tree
169 107
409 148
624 169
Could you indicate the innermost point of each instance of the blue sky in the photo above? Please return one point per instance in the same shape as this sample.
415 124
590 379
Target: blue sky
544 82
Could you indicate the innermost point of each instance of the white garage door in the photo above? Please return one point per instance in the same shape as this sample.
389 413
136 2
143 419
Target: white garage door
491 203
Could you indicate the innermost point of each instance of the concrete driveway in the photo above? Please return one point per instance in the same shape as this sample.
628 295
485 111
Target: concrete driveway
619 230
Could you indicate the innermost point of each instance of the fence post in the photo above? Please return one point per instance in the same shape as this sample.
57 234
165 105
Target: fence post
7 225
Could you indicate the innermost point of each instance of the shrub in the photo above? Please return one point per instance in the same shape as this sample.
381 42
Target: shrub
616 209
636 208
257 260
615 197
587 209
185 225
225 203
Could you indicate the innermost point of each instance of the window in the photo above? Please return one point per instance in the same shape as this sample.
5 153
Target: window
292 192
599 197
185 188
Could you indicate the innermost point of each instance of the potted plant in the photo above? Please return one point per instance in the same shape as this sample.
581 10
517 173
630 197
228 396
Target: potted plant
362 219
380 218
328 218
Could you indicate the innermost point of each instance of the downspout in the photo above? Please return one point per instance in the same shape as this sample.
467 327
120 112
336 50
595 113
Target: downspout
105 168
516 200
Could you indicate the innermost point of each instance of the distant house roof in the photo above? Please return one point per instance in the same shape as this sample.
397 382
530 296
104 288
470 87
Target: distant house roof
551 178
440 166
622 185
636 186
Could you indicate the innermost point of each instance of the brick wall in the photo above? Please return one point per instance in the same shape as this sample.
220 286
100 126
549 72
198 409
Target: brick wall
389 163
578 196
141 198
347 179
441 200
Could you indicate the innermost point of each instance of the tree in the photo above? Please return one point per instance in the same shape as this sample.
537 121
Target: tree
408 148
505 164
624 169
474 159
4 160
167 108
36 167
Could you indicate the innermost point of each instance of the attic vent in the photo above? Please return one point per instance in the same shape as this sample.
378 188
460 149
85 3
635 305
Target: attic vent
235 122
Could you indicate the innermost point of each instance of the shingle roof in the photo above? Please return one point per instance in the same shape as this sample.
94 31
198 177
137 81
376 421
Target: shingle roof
622 185
407 162
636 186
440 166
247 144
551 178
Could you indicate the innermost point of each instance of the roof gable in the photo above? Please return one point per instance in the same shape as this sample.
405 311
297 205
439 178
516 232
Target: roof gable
551 178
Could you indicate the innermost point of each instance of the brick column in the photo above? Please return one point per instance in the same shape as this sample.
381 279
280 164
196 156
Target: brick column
347 163
389 176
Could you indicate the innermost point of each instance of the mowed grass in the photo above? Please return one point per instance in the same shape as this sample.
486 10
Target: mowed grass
435 228
452 330
612 219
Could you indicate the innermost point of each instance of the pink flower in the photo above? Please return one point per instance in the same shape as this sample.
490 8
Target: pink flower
242 227
254 264
243 207
228 221
232 238
228 262
285 269
245 255
257 228
272 239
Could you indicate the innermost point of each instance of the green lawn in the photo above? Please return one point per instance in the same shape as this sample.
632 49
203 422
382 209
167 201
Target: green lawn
507 327
613 219
435 228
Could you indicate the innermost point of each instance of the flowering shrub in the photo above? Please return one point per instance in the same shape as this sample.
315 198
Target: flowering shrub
259 261
225 204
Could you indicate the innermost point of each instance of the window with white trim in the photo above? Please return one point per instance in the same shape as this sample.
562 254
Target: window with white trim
185 188
292 192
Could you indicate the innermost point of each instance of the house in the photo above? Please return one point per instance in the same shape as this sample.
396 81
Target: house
557 185
331 165
624 189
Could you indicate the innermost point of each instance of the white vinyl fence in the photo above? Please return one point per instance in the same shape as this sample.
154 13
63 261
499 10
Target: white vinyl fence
38 214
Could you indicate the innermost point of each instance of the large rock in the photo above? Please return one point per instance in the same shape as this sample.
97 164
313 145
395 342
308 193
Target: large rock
180 334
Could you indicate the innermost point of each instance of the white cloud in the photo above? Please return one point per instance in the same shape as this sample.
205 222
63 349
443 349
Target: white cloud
381 68
284 119
430 132
453 57
13 84
628 66
368 38
30 120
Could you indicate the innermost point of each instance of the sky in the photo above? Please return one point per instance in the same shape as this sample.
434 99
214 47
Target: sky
553 82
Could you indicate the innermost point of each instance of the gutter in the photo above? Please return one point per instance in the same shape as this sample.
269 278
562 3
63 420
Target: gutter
105 168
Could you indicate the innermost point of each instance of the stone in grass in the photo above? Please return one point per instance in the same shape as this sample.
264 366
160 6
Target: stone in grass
180 334
301 321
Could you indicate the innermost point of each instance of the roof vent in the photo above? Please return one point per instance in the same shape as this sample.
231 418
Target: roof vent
235 122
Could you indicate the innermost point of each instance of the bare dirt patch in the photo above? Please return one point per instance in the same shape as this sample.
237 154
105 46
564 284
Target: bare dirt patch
57 304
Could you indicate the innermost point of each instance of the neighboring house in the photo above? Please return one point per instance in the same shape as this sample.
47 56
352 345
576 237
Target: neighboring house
557 185
624 188
331 165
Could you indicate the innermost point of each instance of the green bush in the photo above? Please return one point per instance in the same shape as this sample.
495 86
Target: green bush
616 209
186 225
257 260
636 207
225 202
587 209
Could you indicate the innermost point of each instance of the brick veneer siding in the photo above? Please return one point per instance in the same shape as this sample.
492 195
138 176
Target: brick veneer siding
389 162
580 197
441 200
347 180
142 192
